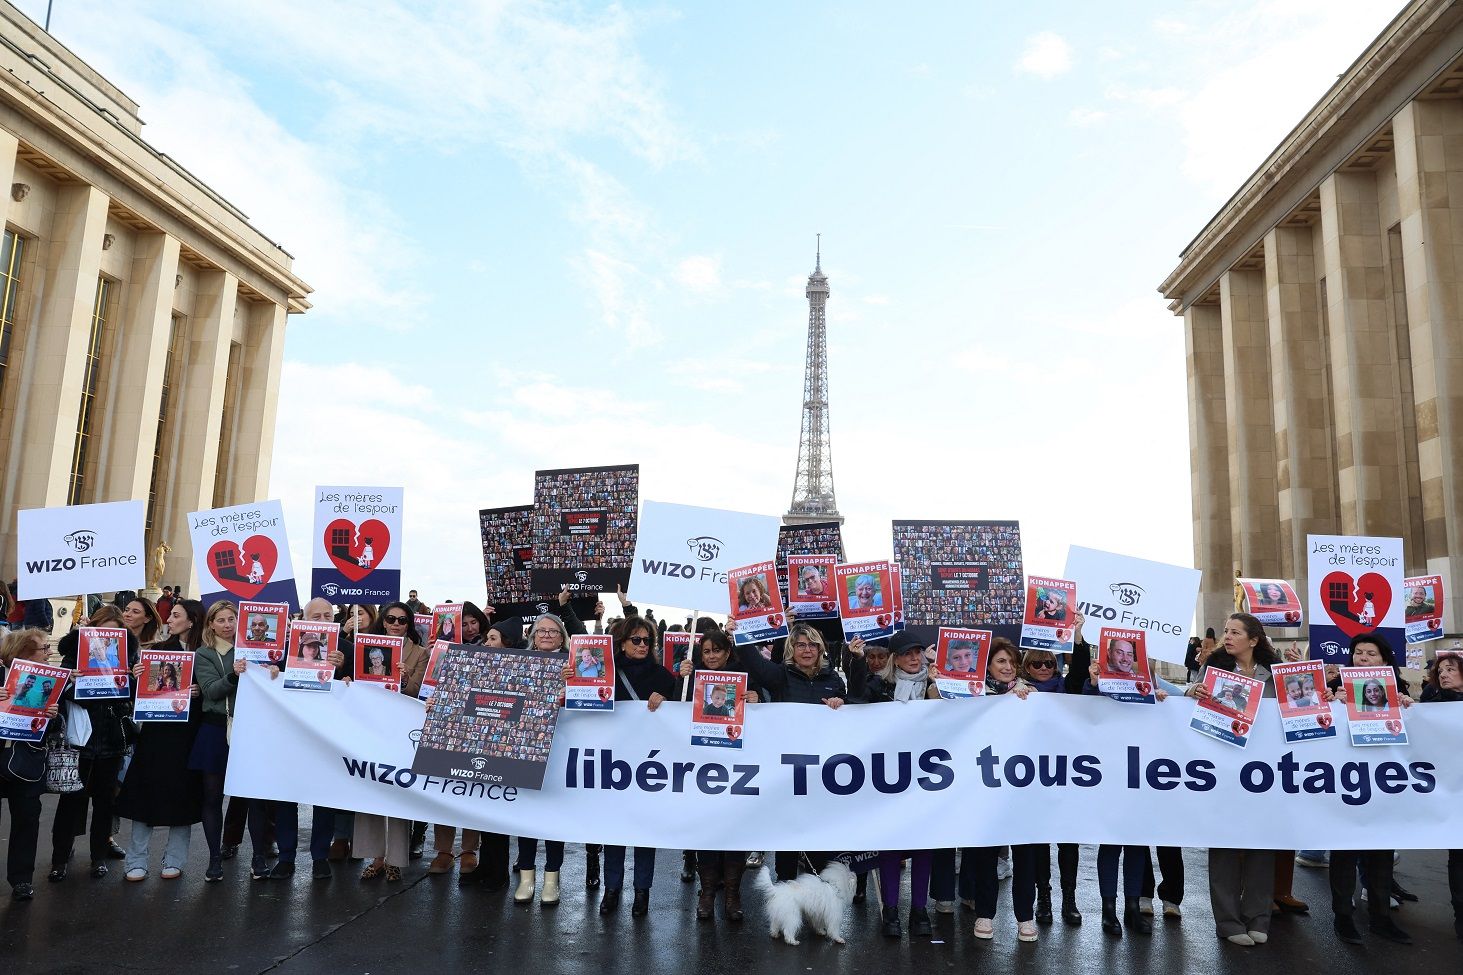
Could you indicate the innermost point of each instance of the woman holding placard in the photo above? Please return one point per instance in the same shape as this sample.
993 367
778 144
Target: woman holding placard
101 758
718 869
217 673
1445 683
159 790
23 798
1367 650
549 634
639 676
1241 882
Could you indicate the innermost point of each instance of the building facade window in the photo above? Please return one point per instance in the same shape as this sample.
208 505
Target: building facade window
11 256
161 446
91 380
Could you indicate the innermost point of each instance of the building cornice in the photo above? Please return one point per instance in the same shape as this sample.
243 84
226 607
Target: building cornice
1389 73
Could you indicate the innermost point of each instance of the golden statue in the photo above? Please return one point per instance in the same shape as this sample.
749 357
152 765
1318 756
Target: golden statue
1239 593
159 564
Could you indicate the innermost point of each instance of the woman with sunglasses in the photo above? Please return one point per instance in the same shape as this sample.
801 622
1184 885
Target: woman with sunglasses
384 840
1043 672
639 676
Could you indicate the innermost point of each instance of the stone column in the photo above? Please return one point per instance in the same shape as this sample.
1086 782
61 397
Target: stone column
1250 424
1209 462
263 355
1429 159
57 344
1303 435
200 398
144 326
1370 471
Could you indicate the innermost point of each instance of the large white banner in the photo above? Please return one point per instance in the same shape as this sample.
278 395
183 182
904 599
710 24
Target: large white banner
1355 587
1135 594
983 772
683 553
243 553
83 548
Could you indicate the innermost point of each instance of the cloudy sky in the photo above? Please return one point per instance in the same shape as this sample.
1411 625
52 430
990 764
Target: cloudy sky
561 235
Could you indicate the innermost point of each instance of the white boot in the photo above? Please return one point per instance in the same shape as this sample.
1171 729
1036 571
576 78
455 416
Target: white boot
550 894
524 893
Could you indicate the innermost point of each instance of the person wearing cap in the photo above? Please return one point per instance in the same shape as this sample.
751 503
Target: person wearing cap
905 679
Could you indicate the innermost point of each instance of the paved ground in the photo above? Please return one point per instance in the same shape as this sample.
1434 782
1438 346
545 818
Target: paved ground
346 926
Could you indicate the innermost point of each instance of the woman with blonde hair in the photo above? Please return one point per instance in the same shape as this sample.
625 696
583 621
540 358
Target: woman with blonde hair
23 798
216 672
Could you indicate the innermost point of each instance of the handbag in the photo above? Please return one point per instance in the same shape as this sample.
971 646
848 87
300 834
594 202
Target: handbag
23 763
78 724
63 766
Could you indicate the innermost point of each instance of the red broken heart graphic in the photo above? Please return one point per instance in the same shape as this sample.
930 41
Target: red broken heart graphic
827 607
1324 720
323 676
775 619
1350 601
733 731
1144 687
1240 728
231 564
1394 726
346 545
605 693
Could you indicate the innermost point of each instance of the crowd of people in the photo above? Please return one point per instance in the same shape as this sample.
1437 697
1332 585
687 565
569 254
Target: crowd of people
171 776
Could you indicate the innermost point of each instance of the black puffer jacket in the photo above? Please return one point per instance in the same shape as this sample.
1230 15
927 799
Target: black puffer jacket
646 676
789 685
112 729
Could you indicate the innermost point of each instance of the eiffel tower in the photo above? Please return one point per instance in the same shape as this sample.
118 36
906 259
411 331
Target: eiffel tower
812 490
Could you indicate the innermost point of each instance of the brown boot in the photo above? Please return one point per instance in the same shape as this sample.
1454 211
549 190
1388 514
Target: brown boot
706 900
731 882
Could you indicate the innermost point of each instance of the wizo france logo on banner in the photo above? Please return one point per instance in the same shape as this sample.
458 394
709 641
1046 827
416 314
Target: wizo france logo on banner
357 547
1122 592
243 553
81 548
683 554
1355 587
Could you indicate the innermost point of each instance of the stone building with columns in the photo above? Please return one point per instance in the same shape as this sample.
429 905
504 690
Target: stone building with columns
1323 314
142 317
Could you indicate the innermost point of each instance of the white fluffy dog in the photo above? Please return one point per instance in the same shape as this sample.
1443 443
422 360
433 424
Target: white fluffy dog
821 899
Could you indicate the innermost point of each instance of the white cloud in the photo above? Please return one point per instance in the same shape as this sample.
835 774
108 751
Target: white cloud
1046 55
1085 117
700 273
875 299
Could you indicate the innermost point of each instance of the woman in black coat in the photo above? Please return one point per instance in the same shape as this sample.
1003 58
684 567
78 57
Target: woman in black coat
100 764
639 676
160 789
803 676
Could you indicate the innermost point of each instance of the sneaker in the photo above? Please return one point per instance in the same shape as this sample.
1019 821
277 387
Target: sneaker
1313 858
1003 868
944 907
259 869
1145 906
283 870
1242 940
985 928
321 870
171 873
229 852
1170 909
136 874
215 871
1259 937
1026 931
22 892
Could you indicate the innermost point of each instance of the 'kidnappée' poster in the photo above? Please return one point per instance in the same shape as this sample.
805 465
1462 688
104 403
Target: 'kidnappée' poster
243 553
1355 585
307 666
165 691
1300 690
357 547
1423 613
1272 601
1373 706
1047 623
865 599
755 604
810 587
378 659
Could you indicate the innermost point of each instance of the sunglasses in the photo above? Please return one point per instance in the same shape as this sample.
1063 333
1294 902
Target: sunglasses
639 641
1042 664
396 620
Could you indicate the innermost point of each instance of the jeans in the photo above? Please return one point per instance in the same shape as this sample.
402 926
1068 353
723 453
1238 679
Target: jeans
175 854
287 831
615 867
1134 860
553 854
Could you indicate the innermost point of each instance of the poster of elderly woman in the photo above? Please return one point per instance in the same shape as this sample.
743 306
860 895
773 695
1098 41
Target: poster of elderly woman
1373 706
756 604
378 659
865 599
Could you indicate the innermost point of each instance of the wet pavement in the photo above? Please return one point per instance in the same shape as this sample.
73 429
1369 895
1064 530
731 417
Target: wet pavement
344 925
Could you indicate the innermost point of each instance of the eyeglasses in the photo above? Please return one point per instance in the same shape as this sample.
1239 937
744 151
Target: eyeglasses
1042 664
639 641
804 645
396 620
